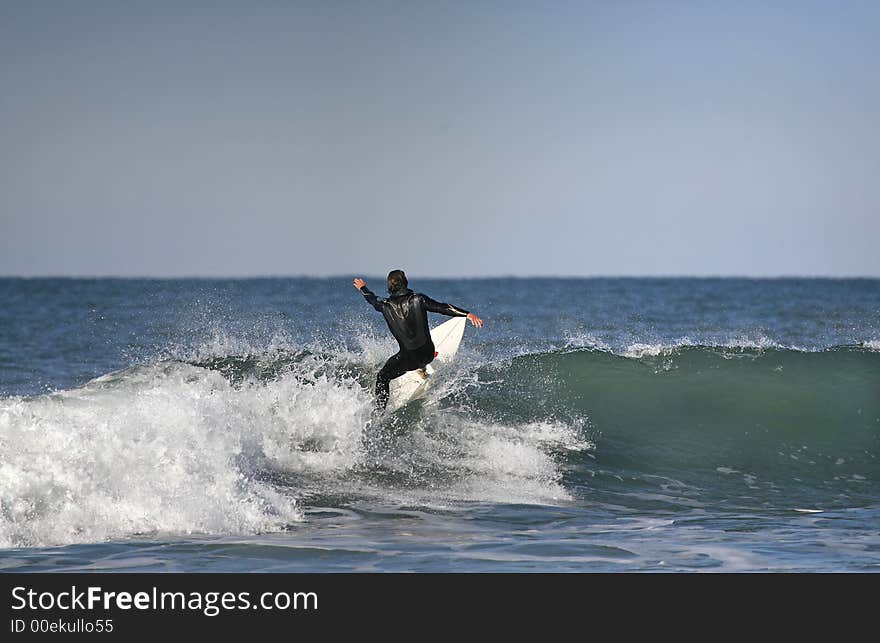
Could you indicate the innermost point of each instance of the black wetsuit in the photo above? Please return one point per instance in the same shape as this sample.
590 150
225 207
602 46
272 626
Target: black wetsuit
406 313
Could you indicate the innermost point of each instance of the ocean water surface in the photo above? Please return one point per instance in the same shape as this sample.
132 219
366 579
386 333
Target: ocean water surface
592 425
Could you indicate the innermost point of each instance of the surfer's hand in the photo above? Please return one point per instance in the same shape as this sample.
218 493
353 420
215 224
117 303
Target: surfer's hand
359 283
476 321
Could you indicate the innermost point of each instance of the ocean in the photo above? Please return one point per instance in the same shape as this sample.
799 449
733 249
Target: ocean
592 425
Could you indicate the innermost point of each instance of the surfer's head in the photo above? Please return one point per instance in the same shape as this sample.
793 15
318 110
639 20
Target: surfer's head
396 280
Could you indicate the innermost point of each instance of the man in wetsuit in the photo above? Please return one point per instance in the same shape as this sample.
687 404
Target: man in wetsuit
406 313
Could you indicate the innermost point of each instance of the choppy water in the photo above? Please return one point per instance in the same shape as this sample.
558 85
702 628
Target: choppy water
591 425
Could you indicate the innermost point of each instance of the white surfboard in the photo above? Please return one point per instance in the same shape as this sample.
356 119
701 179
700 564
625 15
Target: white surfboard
409 386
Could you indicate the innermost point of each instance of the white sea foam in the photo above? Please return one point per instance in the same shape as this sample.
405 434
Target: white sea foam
173 448
486 461
163 448
759 342
514 463
639 350
873 345
586 340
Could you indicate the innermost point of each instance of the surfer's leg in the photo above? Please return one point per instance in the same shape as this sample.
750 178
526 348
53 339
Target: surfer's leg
394 367
424 356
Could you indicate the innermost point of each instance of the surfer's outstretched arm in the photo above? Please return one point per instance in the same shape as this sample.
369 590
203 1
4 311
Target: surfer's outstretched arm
368 294
450 311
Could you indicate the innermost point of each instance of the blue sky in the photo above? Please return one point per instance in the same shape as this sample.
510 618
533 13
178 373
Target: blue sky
445 138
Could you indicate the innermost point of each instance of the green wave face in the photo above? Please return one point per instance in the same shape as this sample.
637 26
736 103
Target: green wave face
789 417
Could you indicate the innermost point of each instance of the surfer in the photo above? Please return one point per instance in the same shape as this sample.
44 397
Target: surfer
406 313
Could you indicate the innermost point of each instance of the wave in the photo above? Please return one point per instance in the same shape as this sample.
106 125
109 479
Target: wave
237 444
241 443
752 406
150 449
781 413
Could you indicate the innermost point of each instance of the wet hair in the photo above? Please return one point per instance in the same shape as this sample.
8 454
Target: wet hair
396 280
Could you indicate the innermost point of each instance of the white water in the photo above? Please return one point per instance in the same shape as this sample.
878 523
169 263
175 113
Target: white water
171 448
639 350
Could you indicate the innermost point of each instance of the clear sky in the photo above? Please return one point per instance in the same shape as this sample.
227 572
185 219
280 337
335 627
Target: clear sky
446 138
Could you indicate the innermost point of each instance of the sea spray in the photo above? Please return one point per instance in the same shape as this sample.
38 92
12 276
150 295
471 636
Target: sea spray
234 444
153 450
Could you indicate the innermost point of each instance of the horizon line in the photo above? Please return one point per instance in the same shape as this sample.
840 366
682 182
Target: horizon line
267 276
